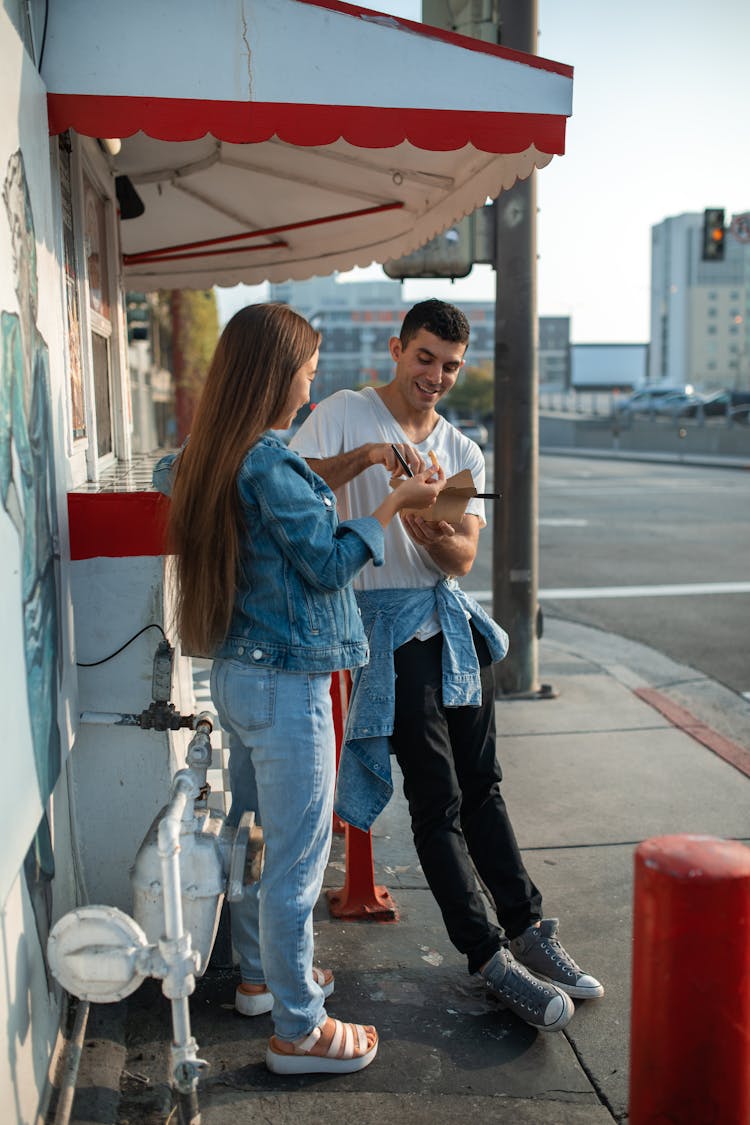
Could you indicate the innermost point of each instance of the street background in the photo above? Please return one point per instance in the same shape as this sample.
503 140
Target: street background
634 744
654 552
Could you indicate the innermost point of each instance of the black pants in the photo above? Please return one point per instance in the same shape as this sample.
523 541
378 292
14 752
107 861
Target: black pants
458 815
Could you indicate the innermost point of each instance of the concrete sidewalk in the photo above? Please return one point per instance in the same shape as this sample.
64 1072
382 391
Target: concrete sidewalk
588 775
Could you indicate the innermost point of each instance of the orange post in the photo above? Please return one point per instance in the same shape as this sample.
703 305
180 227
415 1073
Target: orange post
359 897
690 1018
341 685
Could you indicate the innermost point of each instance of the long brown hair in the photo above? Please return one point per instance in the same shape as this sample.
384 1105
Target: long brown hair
259 352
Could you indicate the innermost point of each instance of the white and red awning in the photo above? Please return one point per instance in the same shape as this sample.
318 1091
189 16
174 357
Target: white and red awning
278 139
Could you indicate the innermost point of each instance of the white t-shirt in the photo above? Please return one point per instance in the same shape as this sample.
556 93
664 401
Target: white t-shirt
349 419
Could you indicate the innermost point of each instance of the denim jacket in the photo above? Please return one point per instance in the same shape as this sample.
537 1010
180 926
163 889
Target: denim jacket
294 607
390 618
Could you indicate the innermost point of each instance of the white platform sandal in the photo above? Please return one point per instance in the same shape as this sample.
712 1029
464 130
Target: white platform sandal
338 1059
258 1003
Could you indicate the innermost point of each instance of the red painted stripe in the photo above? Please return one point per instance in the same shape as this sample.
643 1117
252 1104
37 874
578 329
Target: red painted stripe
154 255
181 119
730 751
167 252
116 524
426 31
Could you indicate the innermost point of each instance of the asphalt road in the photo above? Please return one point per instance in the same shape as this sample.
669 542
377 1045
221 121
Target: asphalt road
656 553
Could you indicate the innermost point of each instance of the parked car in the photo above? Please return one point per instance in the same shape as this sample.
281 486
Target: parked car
740 414
647 400
708 406
679 405
720 403
477 431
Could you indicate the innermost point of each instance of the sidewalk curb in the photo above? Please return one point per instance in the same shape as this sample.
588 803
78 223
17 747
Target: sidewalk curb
692 459
679 717
699 703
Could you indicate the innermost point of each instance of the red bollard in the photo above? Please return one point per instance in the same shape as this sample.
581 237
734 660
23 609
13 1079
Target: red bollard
341 686
690 1018
359 897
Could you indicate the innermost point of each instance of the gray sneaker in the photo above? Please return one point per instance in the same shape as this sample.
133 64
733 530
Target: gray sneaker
539 950
541 1005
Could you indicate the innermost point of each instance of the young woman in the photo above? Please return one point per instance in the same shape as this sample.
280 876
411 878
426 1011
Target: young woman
264 570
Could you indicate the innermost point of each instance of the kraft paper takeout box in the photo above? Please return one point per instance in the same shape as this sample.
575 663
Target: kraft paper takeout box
451 502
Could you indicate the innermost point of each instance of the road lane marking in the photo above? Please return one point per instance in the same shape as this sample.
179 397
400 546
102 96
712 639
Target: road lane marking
563 523
585 593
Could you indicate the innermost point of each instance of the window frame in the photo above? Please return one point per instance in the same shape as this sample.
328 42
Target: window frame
89 165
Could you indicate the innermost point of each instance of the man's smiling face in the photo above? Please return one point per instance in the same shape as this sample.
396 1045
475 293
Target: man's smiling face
426 368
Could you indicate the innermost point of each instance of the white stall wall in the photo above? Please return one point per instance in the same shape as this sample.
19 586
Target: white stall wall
37 671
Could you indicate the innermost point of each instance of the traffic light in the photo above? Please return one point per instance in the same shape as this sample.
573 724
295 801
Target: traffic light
713 234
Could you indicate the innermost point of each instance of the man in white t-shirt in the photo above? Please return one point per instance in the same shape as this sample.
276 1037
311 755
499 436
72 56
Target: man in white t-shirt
446 753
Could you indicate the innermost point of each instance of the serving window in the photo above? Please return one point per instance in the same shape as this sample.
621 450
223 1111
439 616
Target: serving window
98 399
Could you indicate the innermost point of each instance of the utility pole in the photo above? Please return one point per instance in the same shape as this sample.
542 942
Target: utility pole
515 539
511 23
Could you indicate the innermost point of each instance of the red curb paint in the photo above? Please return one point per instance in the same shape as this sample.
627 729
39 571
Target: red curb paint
679 717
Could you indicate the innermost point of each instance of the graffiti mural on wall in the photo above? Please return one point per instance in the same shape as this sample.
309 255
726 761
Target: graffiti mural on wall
27 490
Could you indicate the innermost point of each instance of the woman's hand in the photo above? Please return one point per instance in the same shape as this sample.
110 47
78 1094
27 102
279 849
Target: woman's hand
419 491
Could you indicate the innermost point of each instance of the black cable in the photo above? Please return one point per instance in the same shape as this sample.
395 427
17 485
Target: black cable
44 37
104 659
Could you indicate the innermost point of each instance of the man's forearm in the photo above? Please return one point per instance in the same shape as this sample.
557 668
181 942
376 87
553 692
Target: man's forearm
339 470
454 556
453 550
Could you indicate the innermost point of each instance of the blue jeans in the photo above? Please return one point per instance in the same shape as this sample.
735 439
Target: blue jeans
282 765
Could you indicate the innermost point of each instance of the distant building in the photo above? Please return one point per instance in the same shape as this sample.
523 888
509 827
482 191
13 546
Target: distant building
554 351
700 311
358 319
610 367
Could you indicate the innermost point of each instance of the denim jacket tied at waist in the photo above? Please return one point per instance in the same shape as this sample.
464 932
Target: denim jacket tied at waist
391 618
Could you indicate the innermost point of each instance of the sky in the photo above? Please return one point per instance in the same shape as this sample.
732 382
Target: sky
661 92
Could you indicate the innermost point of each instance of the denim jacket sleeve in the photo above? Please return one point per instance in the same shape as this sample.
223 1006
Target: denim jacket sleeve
161 478
299 512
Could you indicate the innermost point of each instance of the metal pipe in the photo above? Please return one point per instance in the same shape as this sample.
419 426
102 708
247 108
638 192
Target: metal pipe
183 788
111 718
179 982
172 251
72 1063
199 749
175 948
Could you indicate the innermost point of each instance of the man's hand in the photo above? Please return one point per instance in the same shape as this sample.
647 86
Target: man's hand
343 467
413 458
453 550
424 532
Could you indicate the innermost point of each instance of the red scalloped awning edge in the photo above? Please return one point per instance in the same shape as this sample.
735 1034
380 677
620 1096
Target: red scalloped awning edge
181 119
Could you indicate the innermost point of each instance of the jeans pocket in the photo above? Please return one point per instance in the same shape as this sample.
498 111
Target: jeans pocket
245 695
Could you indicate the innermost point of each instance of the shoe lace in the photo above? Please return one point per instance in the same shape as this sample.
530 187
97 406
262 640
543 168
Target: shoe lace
524 989
557 953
